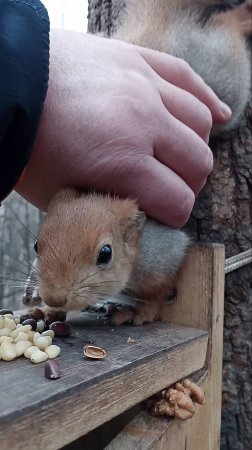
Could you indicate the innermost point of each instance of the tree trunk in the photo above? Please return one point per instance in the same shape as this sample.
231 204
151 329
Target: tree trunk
223 214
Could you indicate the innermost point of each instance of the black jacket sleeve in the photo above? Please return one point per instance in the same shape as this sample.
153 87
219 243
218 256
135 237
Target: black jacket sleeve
24 71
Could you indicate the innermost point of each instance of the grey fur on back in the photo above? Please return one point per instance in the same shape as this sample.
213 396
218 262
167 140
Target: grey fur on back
161 251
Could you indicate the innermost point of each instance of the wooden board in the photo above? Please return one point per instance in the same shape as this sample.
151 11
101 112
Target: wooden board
199 303
38 413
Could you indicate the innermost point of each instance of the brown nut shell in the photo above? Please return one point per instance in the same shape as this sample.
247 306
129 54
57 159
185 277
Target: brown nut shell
93 352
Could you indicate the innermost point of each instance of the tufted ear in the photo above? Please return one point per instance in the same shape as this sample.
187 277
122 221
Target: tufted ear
132 225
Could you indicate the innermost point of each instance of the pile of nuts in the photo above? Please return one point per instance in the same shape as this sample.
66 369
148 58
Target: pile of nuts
177 401
26 336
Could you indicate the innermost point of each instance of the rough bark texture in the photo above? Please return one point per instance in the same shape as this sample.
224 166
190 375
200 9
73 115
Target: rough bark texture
223 213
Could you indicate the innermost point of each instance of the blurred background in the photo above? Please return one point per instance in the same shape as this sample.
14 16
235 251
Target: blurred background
19 221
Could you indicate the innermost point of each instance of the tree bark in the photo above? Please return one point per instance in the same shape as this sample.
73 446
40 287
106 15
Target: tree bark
222 213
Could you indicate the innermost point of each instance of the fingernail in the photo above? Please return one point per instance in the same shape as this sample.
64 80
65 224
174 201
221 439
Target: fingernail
226 111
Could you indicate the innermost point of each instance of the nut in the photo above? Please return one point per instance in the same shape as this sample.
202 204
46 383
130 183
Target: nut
5 331
93 352
52 370
5 339
8 351
40 326
10 323
43 342
21 337
63 329
38 356
196 393
19 329
21 346
48 333
28 352
52 351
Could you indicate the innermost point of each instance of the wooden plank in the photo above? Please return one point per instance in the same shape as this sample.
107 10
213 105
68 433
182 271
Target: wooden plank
199 303
38 413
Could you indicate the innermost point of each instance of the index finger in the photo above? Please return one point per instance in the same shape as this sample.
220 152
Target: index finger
179 73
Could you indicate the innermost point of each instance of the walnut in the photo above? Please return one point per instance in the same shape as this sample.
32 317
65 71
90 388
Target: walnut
162 408
177 401
195 392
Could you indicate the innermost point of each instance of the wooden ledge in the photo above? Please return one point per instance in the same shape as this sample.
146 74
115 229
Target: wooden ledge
38 413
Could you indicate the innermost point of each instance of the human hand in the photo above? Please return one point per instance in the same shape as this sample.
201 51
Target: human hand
126 120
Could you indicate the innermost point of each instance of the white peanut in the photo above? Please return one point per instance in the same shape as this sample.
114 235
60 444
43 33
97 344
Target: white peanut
10 323
8 351
36 336
21 337
5 339
19 329
5 332
29 351
52 351
38 356
43 342
48 333
21 346
40 326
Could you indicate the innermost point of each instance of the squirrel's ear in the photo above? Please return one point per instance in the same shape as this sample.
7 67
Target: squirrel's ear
137 220
132 225
131 220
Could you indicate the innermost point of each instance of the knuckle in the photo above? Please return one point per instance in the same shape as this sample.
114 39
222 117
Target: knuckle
183 66
207 162
184 208
207 118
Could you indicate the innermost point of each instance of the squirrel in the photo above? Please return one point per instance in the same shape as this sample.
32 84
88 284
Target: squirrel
211 41
92 246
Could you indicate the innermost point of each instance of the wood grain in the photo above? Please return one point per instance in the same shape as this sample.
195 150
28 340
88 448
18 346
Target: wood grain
38 413
199 303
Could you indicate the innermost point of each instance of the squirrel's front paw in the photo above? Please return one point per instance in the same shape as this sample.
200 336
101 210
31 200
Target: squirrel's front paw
46 313
122 316
136 316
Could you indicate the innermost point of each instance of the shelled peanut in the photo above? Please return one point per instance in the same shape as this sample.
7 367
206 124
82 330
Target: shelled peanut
27 338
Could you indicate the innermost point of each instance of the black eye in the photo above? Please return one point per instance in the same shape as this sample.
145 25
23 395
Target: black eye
105 255
36 247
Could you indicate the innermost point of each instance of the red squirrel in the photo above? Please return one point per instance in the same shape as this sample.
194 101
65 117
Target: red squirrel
91 246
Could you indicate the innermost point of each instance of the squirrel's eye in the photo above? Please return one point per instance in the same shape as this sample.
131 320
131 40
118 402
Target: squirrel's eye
105 255
36 247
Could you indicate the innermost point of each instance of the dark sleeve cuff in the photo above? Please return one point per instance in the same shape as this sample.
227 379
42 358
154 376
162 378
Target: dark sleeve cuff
24 72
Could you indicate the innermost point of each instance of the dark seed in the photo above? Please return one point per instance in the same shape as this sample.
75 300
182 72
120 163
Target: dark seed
27 316
61 328
5 311
31 322
55 316
52 370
